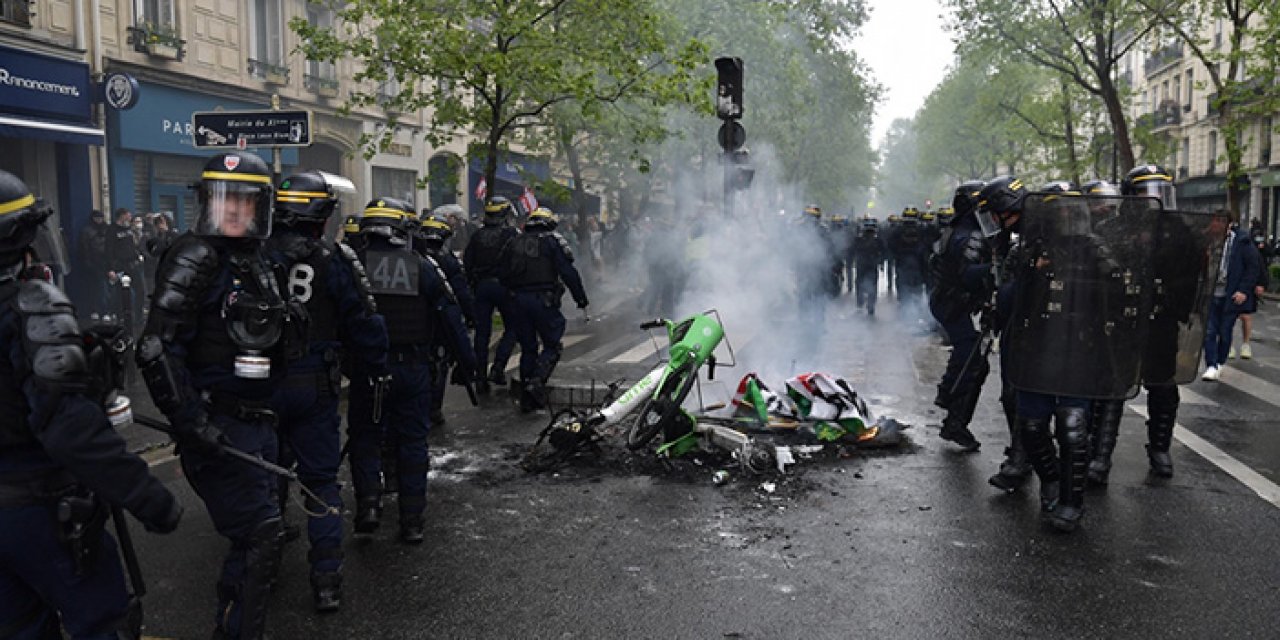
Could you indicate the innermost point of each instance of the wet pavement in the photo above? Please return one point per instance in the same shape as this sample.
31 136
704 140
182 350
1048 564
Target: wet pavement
904 544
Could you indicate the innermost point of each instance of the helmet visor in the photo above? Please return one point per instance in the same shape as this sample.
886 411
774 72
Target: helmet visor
987 222
1161 189
234 210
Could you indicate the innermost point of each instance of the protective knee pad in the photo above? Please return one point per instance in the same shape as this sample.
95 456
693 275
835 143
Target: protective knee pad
263 547
1038 446
1073 452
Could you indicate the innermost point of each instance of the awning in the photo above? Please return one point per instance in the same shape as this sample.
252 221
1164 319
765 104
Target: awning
18 127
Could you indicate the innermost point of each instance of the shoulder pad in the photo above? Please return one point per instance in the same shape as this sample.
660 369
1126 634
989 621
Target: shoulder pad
349 256
296 247
564 245
187 269
51 336
444 281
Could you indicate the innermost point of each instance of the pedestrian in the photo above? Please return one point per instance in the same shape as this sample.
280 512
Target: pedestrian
418 312
91 251
965 284
483 263
431 239
1264 283
329 281
212 356
534 266
1234 293
58 565
124 269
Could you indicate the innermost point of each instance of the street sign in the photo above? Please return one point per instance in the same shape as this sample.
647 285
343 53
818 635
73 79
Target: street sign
731 135
240 129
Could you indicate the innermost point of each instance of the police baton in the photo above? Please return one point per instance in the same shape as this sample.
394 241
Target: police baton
129 553
164 427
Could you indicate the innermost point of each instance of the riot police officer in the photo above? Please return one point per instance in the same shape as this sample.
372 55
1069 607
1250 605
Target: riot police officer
534 265
57 450
962 269
894 221
842 236
868 254
907 245
483 263
431 239
211 354
1178 276
329 281
419 308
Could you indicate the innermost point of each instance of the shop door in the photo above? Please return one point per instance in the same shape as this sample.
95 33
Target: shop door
177 200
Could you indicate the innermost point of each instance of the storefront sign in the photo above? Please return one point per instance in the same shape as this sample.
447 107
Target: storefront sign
44 86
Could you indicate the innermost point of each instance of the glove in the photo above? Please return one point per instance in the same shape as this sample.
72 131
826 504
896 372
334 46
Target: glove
582 304
168 522
202 438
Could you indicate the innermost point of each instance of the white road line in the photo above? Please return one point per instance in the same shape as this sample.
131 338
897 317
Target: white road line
640 352
1251 384
565 343
1186 395
1266 489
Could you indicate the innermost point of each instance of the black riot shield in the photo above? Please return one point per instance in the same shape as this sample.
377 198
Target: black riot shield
1083 297
1186 260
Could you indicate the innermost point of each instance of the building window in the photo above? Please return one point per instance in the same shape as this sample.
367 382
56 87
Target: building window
1191 85
320 17
267 27
1264 146
16 11
1213 153
156 13
396 183
1186 157
442 179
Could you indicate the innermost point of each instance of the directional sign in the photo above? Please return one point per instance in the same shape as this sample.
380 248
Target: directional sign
240 129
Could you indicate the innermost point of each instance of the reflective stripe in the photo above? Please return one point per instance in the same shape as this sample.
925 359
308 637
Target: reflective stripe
298 200
235 177
305 194
17 205
382 212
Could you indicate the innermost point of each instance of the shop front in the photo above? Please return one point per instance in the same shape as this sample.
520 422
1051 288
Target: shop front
47 132
153 160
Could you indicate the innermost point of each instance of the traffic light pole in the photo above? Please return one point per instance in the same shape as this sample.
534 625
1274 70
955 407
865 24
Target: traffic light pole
729 109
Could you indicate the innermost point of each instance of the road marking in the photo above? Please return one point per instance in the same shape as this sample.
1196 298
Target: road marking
1266 489
1250 384
640 352
565 343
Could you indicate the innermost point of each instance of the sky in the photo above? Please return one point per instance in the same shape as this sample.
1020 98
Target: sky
908 51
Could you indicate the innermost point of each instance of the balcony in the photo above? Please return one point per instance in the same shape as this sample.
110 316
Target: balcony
17 12
158 41
320 85
268 72
1167 114
1162 58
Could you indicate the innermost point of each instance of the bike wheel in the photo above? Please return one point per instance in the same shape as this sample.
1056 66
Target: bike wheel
662 408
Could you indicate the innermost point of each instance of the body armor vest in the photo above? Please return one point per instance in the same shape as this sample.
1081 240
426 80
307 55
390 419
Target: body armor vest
305 279
532 265
488 243
13 429
395 274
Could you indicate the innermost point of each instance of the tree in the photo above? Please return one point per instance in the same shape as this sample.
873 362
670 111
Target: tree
1242 77
900 182
1082 40
495 67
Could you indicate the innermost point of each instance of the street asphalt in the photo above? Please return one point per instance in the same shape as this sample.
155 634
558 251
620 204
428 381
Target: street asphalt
908 543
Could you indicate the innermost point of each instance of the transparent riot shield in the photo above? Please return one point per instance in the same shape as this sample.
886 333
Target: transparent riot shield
1186 259
1083 296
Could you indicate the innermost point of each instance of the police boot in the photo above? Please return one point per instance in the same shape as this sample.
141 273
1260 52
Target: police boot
1073 463
368 514
261 561
497 375
960 408
1105 430
411 529
1037 445
1162 406
326 591
1015 469
531 397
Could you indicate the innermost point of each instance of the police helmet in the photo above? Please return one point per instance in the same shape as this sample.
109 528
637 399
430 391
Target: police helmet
496 210
813 210
946 215
965 199
235 197
1001 198
392 213
20 217
1099 188
910 212
351 224
305 197
928 216
434 228
894 218
541 219
1150 180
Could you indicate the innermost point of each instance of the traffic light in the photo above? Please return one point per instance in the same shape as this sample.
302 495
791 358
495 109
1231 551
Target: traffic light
729 88
742 172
